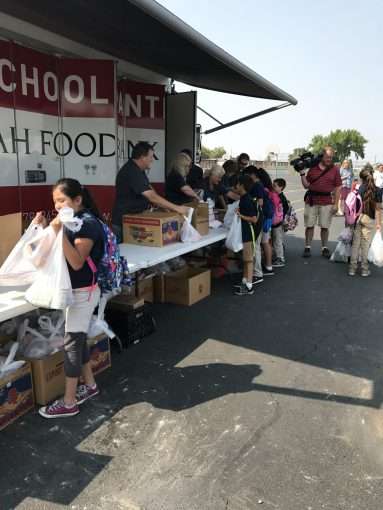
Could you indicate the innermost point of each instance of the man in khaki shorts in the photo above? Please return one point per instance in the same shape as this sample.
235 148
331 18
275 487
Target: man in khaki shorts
322 183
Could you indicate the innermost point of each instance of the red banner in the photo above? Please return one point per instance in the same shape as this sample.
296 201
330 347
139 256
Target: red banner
141 105
37 82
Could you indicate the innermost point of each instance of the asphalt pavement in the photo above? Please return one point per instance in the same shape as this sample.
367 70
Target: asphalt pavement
271 401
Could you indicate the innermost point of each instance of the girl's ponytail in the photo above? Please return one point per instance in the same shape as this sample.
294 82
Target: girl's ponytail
369 197
89 203
72 189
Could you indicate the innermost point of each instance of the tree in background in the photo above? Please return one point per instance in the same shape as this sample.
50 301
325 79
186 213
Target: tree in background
216 153
297 152
344 142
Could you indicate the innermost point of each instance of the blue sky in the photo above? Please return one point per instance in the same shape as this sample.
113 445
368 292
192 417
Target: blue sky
327 54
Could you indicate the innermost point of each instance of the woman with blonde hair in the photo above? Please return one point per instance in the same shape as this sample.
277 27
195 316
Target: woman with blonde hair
176 189
214 189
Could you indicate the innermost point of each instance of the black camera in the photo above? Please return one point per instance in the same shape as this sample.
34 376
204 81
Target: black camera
306 160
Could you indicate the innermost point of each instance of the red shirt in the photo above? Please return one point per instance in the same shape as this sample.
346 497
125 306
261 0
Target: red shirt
325 184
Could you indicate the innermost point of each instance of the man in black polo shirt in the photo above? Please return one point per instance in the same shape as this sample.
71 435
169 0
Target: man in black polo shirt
134 193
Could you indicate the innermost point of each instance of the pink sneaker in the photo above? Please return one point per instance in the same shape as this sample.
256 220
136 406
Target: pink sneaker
58 409
85 392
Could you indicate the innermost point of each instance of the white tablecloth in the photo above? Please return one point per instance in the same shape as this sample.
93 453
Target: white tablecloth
12 302
142 257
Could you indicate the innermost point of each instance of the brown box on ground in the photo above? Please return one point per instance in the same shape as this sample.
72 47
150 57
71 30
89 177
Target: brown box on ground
48 373
125 302
200 218
144 288
158 228
159 288
16 395
11 228
187 286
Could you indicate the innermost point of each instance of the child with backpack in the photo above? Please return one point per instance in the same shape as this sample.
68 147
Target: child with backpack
261 178
251 226
363 210
281 208
83 250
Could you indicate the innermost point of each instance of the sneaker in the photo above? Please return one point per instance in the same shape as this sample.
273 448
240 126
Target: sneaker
85 392
351 272
326 253
58 409
279 263
365 272
257 279
306 252
243 290
268 272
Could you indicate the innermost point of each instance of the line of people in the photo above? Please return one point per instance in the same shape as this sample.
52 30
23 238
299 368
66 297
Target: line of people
262 208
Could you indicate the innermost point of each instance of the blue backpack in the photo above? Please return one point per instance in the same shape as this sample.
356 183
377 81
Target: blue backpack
268 206
109 268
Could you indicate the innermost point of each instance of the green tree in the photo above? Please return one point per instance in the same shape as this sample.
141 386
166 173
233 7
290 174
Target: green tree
216 153
298 151
344 142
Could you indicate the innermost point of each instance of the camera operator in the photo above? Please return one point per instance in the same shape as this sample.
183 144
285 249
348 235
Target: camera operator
321 182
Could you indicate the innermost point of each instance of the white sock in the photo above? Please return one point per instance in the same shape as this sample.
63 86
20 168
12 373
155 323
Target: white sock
249 285
269 268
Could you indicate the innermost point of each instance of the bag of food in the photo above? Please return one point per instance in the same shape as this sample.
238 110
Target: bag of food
375 253
234 237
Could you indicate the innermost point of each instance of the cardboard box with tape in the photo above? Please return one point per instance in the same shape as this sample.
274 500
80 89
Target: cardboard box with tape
187 286
200 218
158 228
48 373
12 227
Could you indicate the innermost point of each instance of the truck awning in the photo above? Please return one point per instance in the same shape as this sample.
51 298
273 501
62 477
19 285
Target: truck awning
147 34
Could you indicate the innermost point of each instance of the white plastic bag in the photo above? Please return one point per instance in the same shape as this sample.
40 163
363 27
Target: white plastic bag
52 287
341 253
375 253
188 233
8 364
234 237
230 213
346 235
17 269
343 249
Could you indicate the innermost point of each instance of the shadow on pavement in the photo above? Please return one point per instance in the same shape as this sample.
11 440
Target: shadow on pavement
310 313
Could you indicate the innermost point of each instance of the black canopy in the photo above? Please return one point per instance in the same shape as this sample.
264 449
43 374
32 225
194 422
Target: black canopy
145 33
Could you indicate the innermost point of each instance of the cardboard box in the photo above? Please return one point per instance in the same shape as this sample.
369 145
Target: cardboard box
187 286
126 302
159 288
200 218
144 288
16 395
156 228
48 373
129 290
11 228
